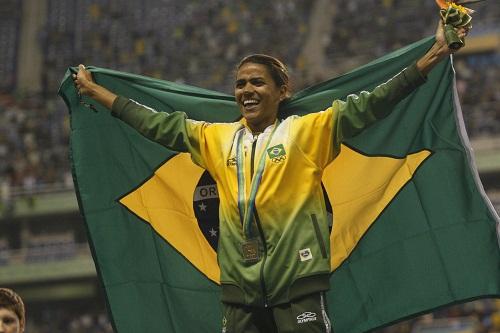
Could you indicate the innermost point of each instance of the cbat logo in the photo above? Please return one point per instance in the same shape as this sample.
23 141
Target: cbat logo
306 317
277 153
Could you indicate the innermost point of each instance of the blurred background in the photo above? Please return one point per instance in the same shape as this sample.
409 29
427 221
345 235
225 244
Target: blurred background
44 253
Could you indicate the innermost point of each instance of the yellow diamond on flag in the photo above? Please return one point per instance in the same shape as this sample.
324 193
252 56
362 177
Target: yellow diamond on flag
360 187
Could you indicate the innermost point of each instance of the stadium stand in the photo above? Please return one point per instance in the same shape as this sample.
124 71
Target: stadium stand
33 142
4 251
68 317
481 101
197 43
10 15
165 41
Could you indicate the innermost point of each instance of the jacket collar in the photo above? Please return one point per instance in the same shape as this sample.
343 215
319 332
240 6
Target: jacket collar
249 132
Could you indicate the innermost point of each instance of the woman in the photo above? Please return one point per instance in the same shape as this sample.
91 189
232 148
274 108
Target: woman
12 316
274 251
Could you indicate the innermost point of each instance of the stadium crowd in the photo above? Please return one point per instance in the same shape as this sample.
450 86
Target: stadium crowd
186 41
474 317
384 25
478 86
33 141
10 17
68 319
199 43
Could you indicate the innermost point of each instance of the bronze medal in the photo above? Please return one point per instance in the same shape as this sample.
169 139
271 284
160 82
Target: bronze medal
250 250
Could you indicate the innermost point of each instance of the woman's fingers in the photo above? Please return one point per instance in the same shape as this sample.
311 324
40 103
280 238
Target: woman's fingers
81 71
81 79
462 32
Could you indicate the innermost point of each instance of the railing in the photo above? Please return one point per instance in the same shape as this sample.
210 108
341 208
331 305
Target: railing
43 253
37 200
19 267
21 191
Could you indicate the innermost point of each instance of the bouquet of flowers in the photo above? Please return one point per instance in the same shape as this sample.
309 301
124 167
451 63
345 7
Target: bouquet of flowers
455 15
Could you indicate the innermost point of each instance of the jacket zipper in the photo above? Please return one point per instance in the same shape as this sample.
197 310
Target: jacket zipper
261 231
254 144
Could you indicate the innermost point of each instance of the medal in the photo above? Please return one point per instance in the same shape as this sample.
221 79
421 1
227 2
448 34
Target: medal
250 250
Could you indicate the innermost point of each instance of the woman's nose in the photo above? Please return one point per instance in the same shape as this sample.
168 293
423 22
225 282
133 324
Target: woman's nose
248 89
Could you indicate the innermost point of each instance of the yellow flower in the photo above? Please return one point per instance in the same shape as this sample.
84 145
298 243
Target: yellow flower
460 8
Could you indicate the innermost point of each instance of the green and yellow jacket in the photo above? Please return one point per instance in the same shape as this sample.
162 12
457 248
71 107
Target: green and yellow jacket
289 225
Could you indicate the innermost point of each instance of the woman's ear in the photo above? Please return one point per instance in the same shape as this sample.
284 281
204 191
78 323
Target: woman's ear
283 92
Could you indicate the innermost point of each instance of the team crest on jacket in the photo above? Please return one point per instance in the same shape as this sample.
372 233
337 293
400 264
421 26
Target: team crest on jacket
277 153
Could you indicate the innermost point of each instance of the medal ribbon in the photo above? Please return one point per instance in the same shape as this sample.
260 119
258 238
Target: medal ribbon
246 208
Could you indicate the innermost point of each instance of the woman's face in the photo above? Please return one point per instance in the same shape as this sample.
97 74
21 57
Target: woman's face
257 95
9 322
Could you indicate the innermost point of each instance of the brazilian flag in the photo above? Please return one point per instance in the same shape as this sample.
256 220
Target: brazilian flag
412 227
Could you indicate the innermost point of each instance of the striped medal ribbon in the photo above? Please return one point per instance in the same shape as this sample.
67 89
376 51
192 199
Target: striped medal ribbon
246 207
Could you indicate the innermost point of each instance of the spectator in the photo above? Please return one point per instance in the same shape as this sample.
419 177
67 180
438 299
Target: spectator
12 312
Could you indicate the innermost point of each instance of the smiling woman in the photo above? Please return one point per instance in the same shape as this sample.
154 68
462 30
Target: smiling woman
274 251
12 313
258 95
262 84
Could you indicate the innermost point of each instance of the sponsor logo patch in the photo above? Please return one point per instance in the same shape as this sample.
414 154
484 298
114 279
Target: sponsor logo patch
231 161
306 317
305 254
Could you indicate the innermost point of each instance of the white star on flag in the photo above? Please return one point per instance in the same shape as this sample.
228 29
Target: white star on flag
213 232
202 207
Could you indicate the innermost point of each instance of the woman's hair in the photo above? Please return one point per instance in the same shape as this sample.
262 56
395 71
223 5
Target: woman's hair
11 301
276 68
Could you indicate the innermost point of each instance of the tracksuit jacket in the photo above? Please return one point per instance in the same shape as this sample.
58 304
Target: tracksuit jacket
290 220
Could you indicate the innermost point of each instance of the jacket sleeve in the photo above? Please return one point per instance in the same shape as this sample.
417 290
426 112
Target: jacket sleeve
322 133
172 130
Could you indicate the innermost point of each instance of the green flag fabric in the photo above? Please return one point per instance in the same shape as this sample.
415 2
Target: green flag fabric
433 242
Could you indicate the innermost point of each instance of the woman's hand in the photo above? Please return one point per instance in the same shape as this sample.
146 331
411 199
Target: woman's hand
442 45
439 50
86 86
83 81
